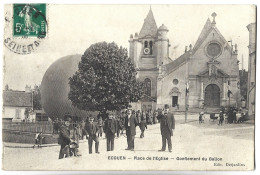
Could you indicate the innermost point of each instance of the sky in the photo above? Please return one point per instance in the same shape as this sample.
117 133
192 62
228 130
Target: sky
73 28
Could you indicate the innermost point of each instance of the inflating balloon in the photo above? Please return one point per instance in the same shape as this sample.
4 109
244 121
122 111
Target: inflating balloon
55 88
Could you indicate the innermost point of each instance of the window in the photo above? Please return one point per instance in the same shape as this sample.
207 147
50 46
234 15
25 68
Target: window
151 47
174 101
18 113
146 44
147 86
175 81
213 50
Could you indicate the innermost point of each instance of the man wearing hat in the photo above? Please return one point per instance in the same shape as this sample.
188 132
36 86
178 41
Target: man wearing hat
110 130
130 124
167 125
92 129
64 137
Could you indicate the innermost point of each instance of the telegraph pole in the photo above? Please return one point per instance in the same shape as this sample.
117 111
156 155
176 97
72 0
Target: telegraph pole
186 106
187 84
242 62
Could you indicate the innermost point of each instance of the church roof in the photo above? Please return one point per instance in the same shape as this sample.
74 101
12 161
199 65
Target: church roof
203 33
149 26
208 27
177 62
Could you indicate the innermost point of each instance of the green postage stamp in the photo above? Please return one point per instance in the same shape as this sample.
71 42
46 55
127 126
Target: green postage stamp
29 20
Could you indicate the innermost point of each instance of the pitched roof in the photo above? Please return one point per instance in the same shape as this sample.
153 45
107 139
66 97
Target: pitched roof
149 26
208 27
17 99
203 33
177 62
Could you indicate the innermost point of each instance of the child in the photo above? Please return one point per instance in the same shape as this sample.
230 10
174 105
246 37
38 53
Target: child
74 146
38 139
221 118
73 149
201 117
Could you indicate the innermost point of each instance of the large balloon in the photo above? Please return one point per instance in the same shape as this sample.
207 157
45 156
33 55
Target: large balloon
55 88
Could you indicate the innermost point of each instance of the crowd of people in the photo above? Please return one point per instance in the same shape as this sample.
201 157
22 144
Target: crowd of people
230 115
112 124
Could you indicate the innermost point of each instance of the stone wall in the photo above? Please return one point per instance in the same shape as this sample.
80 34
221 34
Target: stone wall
21 137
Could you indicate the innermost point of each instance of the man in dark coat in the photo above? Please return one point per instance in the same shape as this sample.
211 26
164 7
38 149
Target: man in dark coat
130 124
142 126
118 128
92 130
64 137
221 118
110 130
167 126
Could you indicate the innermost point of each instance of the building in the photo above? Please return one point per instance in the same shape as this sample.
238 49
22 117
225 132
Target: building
39 116
17 105
251 70
209 69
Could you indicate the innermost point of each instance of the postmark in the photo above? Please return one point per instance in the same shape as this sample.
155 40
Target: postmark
25 27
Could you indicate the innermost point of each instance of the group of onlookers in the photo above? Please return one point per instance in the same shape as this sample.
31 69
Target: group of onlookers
56 123
148 116
93 129
230 115
235 115
112 123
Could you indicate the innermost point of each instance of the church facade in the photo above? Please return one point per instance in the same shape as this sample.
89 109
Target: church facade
204 76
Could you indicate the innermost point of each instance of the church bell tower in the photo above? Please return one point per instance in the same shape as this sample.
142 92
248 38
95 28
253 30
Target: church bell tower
149 50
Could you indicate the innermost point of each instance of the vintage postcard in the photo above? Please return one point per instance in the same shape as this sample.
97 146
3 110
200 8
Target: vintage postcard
129 87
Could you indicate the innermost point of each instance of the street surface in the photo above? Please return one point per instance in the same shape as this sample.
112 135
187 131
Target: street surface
227 147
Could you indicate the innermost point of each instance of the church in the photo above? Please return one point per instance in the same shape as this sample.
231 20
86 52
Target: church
206 75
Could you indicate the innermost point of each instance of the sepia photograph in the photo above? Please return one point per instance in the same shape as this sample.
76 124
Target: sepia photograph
128 87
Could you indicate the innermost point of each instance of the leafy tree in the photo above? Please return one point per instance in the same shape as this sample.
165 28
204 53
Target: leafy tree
36 98
105 79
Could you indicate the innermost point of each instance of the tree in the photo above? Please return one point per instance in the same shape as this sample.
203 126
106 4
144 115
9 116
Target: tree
37 98
105 79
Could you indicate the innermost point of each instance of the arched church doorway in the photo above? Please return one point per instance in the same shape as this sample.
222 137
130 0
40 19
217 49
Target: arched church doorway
212 96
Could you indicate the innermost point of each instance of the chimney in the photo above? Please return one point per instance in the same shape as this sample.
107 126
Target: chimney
190 46
27 88
235 48
136 35
186 48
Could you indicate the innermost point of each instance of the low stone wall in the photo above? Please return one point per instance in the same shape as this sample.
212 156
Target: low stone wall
22 137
